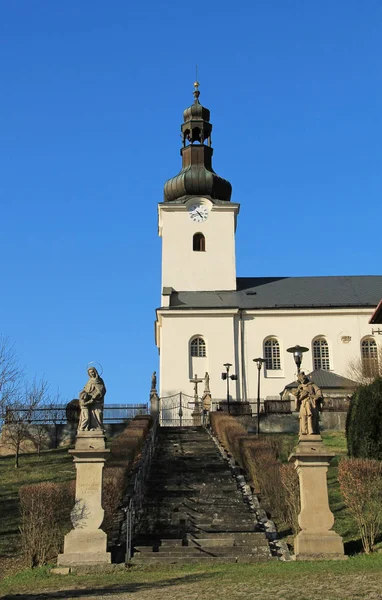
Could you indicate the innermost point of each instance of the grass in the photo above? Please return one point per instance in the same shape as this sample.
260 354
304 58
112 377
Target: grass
53 465
358 578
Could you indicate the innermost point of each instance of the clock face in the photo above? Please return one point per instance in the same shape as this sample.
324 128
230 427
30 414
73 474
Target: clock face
198 212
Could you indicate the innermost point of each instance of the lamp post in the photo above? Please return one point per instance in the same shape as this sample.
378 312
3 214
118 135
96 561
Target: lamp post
297 352
226 377
259 363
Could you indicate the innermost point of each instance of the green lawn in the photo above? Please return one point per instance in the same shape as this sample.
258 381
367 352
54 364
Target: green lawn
357 578
53 465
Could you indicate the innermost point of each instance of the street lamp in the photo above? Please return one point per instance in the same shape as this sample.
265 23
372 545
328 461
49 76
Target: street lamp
226 376
259 363
297 352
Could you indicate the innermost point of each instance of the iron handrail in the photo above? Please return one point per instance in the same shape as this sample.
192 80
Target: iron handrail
135 494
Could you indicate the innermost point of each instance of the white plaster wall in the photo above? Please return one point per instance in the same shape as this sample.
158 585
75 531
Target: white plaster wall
222 335
301 327
176 332
182 268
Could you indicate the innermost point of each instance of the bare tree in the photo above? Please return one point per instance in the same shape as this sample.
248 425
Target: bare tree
364 370
11 373
17 428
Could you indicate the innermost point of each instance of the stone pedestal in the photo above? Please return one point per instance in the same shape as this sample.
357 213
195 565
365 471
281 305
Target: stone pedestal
316 540
154 403
86 543
196 416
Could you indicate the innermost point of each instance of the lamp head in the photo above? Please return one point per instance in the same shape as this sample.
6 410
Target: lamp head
297 352
259 361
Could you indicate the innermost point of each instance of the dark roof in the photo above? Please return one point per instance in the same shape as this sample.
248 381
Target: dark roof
288 292
377 315
326 379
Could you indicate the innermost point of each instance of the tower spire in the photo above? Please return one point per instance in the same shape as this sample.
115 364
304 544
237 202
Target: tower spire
197 176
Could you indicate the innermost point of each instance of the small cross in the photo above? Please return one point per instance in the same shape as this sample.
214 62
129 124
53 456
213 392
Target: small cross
196 381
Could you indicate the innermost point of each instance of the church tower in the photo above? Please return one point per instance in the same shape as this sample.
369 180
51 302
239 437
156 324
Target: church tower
197 219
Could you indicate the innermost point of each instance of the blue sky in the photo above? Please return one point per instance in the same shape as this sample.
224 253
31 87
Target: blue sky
91 106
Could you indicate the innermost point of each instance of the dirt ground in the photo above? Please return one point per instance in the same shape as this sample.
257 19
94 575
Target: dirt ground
247 581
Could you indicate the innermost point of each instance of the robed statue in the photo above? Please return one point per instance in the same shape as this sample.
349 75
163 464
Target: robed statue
154 381
309 403
91 402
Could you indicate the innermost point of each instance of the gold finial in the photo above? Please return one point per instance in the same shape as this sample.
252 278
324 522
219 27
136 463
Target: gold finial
196 86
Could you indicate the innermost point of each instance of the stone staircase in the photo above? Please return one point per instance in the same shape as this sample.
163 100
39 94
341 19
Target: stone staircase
193 509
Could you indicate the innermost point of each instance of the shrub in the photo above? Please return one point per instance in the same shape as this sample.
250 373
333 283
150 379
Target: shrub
364 422
113 487
124 453
361 487
45 518
257 455
291 485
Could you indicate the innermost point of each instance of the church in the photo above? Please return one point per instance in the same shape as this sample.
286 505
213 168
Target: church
209 317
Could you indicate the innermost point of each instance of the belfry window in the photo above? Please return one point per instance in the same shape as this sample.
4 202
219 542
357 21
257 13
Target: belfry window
369 357
272 354
321 354
199 243
198 347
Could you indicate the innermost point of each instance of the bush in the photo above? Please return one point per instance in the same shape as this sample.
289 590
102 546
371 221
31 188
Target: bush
364 422
124 453
257 455
45 518
291 485
361 487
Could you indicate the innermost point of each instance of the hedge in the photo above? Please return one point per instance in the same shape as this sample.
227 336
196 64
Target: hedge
364 422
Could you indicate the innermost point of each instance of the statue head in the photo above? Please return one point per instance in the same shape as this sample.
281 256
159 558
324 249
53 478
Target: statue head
302 377
93 373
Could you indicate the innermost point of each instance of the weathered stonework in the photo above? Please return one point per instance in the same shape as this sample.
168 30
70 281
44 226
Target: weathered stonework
86 543
315 540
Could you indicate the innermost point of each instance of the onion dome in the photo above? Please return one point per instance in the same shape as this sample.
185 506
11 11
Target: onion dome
197 177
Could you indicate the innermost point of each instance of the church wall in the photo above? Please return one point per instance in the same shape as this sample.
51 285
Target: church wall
176 333
222 333
183 268
301 327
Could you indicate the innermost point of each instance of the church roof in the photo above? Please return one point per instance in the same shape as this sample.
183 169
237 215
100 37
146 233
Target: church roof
326 379
288 292
377 314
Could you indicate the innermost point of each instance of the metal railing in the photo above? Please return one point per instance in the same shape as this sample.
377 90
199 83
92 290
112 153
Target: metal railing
112 413
133 499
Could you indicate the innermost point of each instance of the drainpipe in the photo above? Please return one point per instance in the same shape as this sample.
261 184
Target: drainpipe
242 357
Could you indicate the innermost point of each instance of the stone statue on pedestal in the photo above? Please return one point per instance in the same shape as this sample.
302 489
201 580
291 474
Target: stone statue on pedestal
154 381
91 402
309 403
206 383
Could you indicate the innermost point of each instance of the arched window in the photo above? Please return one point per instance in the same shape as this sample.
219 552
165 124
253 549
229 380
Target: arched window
198 347
321 354
272 354
369 357
199 243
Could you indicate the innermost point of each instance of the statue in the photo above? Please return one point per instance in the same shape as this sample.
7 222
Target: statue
206 383
154 381
91 402
309 402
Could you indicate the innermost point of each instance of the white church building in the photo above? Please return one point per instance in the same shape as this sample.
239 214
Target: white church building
209 316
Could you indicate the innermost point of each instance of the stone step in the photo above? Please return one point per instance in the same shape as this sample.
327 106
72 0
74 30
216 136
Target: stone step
191 492
186 559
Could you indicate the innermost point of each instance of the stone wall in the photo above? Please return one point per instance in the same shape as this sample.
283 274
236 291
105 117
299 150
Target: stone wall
288 423
56 436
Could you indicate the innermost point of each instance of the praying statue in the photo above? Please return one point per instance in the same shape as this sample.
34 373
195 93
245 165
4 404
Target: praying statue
91 402
309 402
